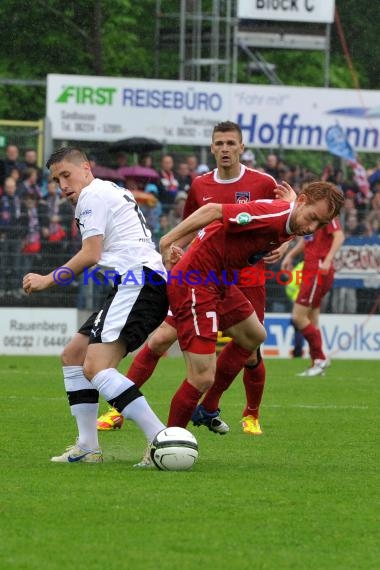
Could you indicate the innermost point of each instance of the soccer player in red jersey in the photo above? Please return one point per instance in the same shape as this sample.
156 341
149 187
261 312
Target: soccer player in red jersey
318 251
231 182
233 238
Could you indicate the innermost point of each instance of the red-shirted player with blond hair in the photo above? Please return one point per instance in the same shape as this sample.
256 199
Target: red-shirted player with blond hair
232 238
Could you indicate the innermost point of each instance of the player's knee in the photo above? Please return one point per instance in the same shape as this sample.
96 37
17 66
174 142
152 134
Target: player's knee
299 322
88 370
70 356
203 382
256 338
202 375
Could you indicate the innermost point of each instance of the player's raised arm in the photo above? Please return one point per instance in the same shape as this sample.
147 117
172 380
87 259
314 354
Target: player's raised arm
199 219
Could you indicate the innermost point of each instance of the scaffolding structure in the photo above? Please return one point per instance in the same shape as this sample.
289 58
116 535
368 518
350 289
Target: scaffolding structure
210 40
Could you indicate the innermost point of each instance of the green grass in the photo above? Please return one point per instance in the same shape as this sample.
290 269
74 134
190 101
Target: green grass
301 497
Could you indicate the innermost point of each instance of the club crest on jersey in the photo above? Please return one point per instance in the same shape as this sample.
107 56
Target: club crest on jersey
243 218
242 197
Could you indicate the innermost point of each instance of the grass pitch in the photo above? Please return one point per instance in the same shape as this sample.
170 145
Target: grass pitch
303 496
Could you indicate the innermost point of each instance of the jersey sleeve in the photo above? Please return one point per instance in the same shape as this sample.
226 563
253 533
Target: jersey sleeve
254 215
334 226
93 218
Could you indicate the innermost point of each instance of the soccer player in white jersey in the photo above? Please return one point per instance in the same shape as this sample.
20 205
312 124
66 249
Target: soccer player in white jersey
116 239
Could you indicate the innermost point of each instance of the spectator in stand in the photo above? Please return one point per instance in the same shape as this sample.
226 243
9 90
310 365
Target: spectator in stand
192 163
11 233
10 161
294 177
29 186
16 175
31 161
353 227
35 218
176 213
168 183
146 160
183 177
131 183
248 158
373 218
152 209
349 202
122 159
163 228
271 165
56 241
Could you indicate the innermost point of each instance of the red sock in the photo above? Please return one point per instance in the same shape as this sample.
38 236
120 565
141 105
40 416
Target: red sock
183 404
230 361
254 381
143 365
314 339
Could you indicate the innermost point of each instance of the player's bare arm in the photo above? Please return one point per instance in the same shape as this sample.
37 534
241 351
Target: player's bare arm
88 256
338 239
199 219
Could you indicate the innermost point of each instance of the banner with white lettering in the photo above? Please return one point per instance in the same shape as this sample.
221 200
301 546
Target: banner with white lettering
344 336
36 331
287 10
90 108
357 263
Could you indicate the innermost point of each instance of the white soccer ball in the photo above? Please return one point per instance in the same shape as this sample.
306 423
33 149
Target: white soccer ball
174 449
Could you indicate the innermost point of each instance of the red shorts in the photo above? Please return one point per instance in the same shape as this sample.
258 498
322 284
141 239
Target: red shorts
197 314
315 287
169 319
232 310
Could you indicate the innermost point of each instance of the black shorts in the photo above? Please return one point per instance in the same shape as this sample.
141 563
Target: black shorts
130 313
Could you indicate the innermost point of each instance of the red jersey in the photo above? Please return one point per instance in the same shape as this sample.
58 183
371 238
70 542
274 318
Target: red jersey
317 245
245 235
249 185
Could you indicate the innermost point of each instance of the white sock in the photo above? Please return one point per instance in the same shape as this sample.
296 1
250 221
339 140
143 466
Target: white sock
85 414
111 384
142 414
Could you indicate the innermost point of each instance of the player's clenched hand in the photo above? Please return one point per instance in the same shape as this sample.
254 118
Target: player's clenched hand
171 255
285 192
34 282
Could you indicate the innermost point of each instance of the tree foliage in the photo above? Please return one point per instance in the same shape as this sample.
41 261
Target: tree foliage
118 38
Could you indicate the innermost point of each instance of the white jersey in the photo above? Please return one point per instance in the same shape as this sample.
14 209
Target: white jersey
103 208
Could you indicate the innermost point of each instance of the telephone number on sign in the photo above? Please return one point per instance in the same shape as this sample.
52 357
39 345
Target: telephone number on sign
27 341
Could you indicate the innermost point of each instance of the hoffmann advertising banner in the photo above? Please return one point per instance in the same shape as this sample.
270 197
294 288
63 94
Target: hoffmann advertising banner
90 108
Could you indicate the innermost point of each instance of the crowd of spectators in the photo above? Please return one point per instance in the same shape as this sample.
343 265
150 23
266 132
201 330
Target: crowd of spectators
37 226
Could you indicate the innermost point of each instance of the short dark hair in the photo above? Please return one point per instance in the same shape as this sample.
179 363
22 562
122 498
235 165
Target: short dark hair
69 153
320 190
225 127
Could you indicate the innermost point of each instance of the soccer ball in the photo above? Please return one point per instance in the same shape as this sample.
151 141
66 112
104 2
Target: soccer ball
174 449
